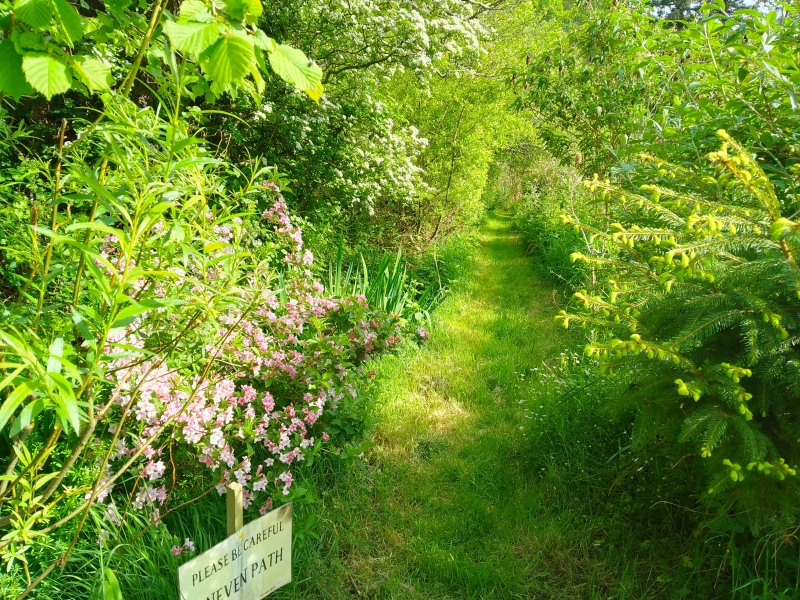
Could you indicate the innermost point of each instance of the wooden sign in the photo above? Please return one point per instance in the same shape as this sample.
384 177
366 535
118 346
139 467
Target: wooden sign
249 565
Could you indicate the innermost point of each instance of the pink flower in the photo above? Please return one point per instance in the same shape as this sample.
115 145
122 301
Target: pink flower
287 479
217 438
154 470
176 550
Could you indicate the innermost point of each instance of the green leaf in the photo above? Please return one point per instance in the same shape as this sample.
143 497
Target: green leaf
229 60
101 227
195 10
263 41
12 77
101 281
28 414
191 38
109 586
46 74
12 402
36 13
92 73
56 351
27 41
69 19
292 65
127 315
66 401
244 10
17 369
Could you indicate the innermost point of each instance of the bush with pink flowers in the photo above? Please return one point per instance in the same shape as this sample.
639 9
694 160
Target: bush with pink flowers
176 341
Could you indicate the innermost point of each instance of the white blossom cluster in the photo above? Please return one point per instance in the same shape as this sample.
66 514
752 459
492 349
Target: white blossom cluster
391 34
354 152
376 157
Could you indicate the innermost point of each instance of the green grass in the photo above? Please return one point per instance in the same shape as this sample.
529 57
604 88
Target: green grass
495 475
453 502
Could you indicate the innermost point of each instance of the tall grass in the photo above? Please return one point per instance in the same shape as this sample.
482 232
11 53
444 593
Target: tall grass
385 282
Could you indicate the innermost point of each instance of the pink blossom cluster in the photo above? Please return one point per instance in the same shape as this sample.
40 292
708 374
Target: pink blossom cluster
282 362
186 547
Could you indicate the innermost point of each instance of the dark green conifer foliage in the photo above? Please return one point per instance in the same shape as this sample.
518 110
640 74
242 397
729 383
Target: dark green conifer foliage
700 303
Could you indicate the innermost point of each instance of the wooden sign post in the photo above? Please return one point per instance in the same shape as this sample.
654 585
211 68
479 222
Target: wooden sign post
234 505
251 563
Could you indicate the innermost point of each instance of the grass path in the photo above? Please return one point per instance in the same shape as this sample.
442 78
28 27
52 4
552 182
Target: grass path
448 507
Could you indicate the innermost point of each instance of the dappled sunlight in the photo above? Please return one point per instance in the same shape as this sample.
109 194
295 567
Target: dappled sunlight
455 495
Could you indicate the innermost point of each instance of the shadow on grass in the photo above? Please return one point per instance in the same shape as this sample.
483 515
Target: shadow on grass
448 506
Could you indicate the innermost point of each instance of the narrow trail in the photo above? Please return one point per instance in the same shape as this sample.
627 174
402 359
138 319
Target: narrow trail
447 507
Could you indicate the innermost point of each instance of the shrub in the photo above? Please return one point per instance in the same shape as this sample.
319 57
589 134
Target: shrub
551 188
166 342
700 296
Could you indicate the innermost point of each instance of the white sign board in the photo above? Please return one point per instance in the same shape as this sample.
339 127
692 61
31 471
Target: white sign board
249 565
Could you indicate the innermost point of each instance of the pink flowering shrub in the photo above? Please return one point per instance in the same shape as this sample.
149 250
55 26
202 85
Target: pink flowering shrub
279 364
179 342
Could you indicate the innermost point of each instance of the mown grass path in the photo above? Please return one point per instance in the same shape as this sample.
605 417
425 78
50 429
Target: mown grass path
447 506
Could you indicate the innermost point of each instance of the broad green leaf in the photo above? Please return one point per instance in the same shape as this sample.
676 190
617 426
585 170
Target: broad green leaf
195 10
12 402
81 324
46 74
261 62
109 587
12 78
229 60
17 369
263 41
41 480
128 314
191 38
36 13
56 350
244 10
69 19
98 226
92 73
214 246
292 65
260 83
100 279
27 40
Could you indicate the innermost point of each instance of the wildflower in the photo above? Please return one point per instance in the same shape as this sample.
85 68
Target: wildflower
154 470
287 479
176 550
267 506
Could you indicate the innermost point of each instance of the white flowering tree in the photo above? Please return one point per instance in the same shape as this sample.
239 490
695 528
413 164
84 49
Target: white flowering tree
355 157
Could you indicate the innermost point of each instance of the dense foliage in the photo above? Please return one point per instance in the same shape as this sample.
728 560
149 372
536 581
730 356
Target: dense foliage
163 333
687 239
216 214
